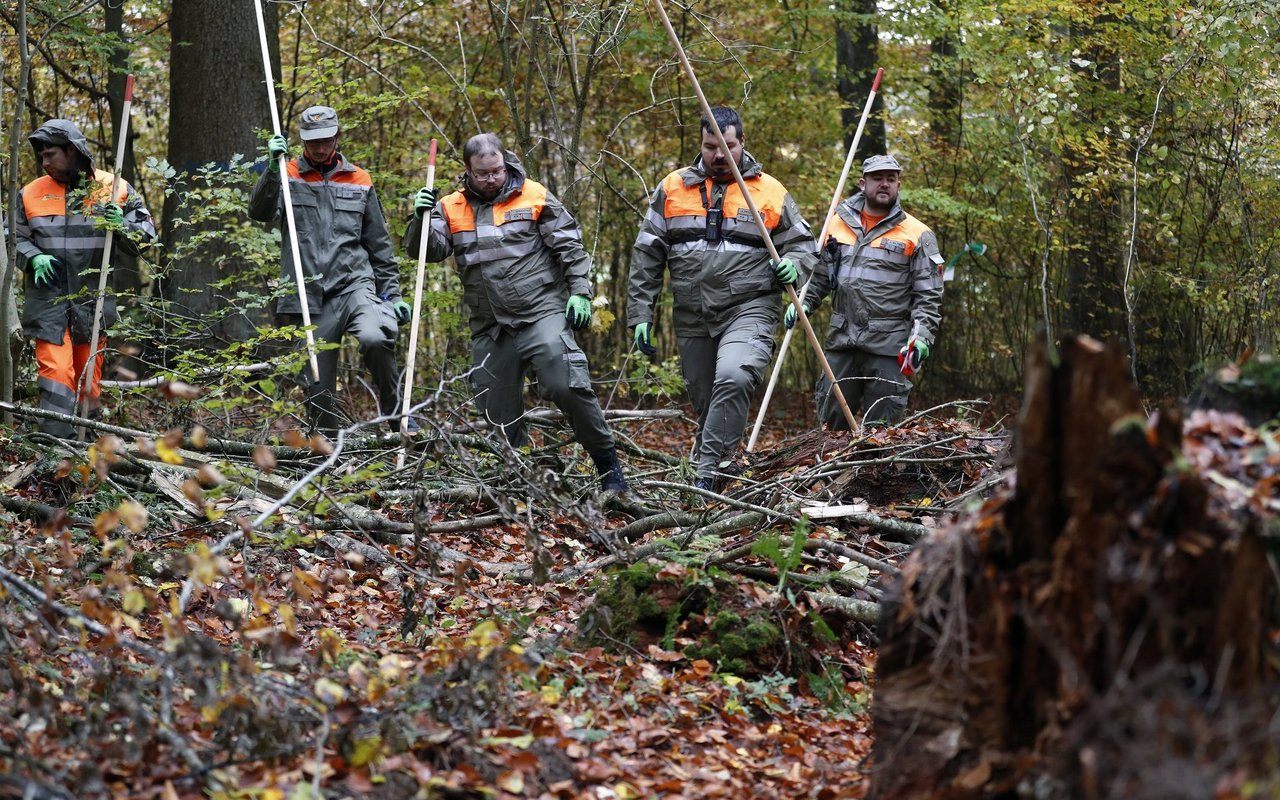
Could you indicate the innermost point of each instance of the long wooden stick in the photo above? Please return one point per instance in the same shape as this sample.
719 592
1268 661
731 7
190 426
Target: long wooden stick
412 357
283 165
755 212
122 137
836 197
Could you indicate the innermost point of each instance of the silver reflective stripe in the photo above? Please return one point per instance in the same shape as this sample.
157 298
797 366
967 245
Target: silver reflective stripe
487 229
564 236
510 251
64 396
36 223
923 286
75 242
464 238
655 219
880 275
649 241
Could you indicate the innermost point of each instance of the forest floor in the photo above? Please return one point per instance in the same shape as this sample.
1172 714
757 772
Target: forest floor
156 647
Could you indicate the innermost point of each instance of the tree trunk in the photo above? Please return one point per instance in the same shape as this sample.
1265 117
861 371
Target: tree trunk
857 50
9 326
1094 631
126 280
217 104
946 84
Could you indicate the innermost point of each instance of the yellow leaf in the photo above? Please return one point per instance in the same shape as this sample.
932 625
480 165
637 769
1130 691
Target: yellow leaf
134 515
199 437
287 618
134 601
551 695
365 750
330 692
166 453
105 523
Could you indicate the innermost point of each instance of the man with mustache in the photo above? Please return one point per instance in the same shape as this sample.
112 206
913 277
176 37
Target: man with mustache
525 281
724 286
884 271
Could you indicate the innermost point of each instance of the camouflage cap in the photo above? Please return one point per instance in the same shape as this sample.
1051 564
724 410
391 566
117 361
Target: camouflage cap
880 164
318 122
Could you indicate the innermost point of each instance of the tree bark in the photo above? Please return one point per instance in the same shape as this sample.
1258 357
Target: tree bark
217 105
857 51
126 279
1076 610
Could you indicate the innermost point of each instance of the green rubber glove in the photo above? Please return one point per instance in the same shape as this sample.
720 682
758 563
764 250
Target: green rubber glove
42 269
789 316
424 201
786 271
114 215
912 356
578 311
276 146
404 311
644 340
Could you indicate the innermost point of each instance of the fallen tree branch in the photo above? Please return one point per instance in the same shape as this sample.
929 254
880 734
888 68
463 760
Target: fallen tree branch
863 611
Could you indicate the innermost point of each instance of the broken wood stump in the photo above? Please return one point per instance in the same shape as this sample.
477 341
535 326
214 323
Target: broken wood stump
1101 628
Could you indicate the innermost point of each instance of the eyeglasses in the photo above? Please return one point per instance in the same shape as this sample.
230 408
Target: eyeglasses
489 175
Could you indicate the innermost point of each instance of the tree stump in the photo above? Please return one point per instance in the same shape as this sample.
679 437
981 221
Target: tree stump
1100 629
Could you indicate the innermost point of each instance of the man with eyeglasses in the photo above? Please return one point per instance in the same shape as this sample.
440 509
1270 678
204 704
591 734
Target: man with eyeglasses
353 281
724 285
524 279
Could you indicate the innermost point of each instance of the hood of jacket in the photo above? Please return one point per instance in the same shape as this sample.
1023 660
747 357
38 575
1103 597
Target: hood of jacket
515 180
697 171
61 132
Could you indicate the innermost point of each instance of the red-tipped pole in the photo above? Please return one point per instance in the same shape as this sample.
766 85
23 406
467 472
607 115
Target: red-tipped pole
414 325
122 137
836 197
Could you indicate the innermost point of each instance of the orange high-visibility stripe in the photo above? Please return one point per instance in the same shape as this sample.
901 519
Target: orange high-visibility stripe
686 201
64 363
45 197
357 175
908 231
458 213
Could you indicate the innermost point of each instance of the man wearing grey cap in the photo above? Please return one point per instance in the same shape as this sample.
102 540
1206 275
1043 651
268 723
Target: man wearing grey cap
884 271
353 283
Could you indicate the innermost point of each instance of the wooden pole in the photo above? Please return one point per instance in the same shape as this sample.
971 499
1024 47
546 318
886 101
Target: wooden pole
836 197
292 227
414 326
755 212
122 138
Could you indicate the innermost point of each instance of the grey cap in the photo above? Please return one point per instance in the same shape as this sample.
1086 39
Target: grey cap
318 122
880 164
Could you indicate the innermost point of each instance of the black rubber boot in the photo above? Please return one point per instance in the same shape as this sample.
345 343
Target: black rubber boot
611 479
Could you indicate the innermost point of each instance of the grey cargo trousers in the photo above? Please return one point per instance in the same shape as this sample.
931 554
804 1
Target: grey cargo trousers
502 357
721 373
867 380
373 323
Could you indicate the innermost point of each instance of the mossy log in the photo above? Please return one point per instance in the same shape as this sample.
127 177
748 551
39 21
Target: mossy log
1109 568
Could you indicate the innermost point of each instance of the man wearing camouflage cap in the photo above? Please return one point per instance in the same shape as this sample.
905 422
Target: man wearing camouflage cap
60 234
353 282
884 271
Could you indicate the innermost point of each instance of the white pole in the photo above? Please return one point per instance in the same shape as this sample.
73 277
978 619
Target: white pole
283 165
122 137
755 212
836 197
411 358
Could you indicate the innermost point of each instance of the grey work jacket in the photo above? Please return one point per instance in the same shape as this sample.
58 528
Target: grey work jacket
714 282
519 255
887 281
67 225
342 233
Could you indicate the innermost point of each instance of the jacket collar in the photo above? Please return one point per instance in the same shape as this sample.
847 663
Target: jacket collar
514 185
305 166
696 172
851 212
